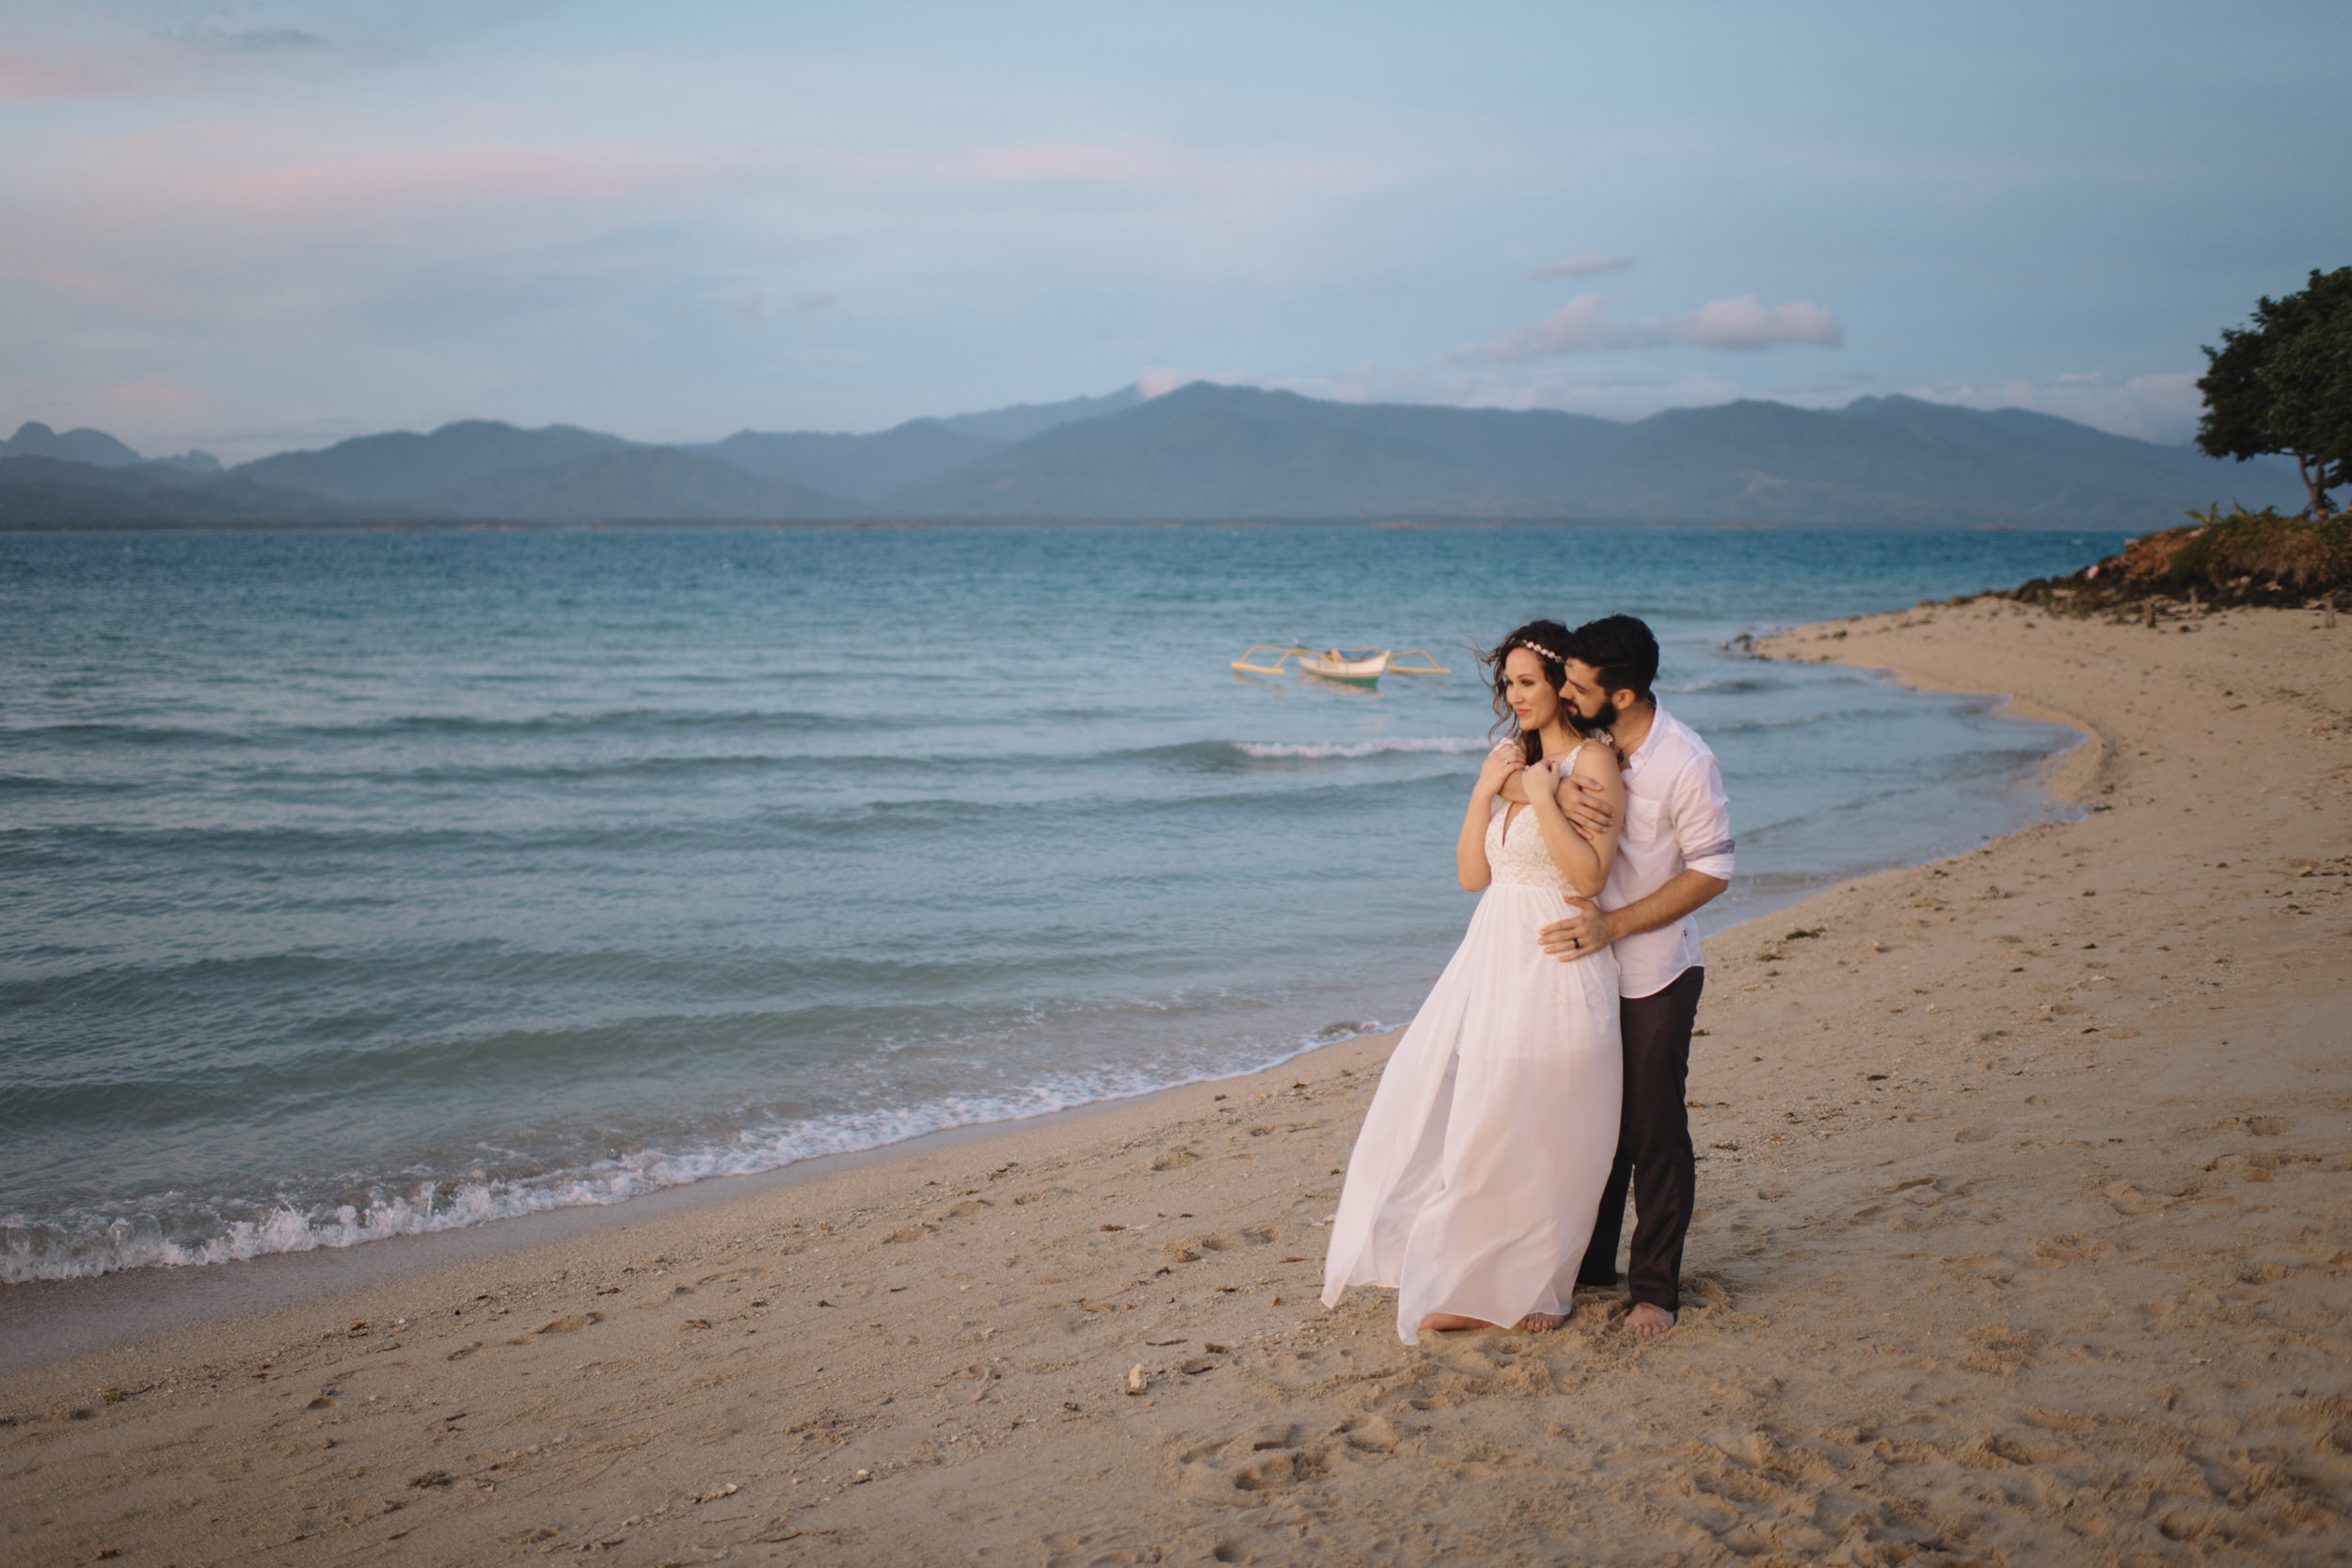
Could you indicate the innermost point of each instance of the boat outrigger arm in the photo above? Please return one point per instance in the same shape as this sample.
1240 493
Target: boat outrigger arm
1277 650
1360 665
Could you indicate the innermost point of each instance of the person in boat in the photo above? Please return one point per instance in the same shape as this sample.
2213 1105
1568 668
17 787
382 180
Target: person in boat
1484 1157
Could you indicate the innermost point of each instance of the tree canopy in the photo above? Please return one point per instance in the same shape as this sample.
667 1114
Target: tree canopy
2284 385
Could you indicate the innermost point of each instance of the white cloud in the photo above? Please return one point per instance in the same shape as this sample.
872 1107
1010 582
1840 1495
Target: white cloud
1156 379
2160 408
1583 325
1612 390
1743 325
1633 395
2163 406
1584 263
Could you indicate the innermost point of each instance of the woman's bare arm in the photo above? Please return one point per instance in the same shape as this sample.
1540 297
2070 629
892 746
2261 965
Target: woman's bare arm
1470 846
1583 857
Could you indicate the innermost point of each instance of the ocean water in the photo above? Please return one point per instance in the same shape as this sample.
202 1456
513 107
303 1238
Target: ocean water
354 884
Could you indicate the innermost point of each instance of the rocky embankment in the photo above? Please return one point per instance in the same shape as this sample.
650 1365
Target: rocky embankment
2245 558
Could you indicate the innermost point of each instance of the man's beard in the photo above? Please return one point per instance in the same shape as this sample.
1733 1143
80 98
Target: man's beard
1594 723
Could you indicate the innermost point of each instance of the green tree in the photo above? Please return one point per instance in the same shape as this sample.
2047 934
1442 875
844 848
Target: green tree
2284 385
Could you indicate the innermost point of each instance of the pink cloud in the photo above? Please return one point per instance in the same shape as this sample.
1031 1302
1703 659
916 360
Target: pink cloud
262 170
102 52
460 174
133 410
1738 325
24 77
90 288
1743 325
149 398
573 172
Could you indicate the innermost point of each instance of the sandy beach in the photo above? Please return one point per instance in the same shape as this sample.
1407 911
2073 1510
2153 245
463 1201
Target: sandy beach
2022 1239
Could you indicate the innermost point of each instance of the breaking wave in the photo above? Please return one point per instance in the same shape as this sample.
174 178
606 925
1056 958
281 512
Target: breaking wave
1445 745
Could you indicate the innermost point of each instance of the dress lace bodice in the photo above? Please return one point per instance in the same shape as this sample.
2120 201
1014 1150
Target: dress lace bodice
1520 856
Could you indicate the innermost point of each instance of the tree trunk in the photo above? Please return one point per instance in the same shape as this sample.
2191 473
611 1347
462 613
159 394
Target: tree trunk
2310 473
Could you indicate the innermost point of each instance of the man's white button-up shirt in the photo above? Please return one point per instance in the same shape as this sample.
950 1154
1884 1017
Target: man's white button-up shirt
1676 819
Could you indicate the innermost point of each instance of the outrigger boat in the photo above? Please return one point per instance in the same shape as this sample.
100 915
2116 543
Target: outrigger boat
1355 666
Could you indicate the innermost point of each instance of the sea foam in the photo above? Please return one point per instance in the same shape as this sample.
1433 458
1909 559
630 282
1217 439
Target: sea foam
84 1246
1443 744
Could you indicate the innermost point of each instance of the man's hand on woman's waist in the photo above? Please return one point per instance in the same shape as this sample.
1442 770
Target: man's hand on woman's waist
1590 927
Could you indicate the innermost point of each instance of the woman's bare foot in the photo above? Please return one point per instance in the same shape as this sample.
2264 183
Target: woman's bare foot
1646 1321
1542 1323
1450 1322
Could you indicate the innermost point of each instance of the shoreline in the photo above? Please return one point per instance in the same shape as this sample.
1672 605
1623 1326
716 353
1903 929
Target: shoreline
45 1320
2005 1251
275 1280
2070 774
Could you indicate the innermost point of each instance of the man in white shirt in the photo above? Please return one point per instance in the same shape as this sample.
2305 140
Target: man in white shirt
1673 854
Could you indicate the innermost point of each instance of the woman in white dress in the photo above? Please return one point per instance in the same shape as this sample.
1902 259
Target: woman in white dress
1475 1181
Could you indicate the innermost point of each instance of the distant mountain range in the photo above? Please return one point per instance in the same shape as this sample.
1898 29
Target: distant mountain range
1202 452
95 447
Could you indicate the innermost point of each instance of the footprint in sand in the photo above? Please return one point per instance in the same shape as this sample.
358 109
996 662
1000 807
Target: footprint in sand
2129 1200
1253 1461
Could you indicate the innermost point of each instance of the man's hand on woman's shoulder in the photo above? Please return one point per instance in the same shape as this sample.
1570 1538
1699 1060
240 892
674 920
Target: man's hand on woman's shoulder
1586 804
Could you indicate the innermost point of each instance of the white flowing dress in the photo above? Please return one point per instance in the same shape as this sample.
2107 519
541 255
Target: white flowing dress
1477 1177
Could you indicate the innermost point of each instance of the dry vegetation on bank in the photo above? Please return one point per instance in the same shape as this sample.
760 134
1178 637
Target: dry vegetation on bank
2243 558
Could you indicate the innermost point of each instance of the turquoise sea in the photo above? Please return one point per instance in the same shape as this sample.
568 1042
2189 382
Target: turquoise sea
360 883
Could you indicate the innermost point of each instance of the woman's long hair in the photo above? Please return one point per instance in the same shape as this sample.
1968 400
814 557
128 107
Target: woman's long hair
1554 644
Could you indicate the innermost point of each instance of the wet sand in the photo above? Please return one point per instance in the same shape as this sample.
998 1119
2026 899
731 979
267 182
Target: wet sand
2022 1239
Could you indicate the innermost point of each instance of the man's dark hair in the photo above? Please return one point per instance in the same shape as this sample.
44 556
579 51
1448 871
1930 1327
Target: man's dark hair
1623 650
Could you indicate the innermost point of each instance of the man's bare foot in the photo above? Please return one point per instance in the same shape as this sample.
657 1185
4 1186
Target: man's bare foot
1450 1323
1646 1321
1542 1323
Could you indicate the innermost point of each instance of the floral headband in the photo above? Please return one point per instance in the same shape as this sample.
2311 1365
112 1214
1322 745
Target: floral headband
1533 647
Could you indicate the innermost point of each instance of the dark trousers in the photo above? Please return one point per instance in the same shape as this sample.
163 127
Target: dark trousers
1653 1156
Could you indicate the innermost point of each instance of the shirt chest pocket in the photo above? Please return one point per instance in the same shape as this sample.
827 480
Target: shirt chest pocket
1645 821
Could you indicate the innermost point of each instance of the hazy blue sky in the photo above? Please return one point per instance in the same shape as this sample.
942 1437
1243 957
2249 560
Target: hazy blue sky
252 226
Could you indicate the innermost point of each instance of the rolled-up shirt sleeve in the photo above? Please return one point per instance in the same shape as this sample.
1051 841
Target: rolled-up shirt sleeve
1702 818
